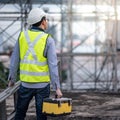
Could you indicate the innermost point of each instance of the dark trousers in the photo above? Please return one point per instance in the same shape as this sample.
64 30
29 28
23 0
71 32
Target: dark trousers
24 97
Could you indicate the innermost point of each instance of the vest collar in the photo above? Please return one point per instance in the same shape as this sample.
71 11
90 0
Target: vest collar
33 28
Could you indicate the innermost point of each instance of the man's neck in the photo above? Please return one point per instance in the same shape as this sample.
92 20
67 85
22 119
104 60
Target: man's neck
41 27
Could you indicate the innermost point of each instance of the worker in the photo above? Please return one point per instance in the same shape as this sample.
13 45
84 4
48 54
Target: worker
35 57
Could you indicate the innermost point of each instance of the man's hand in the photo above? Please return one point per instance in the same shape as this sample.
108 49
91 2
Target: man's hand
59 93
10 83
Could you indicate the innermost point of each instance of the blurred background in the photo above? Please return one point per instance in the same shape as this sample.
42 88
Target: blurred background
86 34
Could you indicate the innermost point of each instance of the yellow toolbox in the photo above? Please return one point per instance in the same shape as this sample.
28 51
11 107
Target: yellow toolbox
57 106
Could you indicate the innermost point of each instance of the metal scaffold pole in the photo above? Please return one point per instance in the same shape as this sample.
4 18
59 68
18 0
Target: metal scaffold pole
21 10
114 49
96 25
25 7
70 38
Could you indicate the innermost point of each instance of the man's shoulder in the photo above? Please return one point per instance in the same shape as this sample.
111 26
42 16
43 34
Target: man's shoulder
50 38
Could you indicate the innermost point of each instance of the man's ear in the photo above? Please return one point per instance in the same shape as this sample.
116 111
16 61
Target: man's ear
43 22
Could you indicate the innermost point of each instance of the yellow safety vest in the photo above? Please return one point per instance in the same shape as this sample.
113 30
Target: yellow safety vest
33 64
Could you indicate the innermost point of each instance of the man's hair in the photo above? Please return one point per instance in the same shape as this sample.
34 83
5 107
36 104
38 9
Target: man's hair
39 23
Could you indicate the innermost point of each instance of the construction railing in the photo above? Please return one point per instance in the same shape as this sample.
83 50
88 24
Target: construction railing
3 97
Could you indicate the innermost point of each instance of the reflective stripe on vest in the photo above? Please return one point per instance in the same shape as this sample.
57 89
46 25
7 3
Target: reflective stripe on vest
34 62
40 71
34 73
31 50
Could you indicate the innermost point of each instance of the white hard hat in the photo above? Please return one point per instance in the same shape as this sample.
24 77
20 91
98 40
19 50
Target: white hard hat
35 16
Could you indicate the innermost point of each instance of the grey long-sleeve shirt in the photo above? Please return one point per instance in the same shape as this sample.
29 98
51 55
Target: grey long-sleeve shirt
50 53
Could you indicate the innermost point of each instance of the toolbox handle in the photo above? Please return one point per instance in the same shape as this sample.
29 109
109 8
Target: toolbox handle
56 96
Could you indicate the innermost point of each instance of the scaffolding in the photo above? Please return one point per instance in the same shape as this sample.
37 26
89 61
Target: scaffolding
86 37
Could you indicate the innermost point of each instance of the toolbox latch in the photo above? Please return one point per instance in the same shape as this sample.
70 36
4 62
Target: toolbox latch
69 102
59 103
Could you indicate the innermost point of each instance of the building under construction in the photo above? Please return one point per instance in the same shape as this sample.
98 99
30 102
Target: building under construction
87 39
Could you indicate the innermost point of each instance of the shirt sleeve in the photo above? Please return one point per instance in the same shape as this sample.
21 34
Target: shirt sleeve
14 63
50 52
